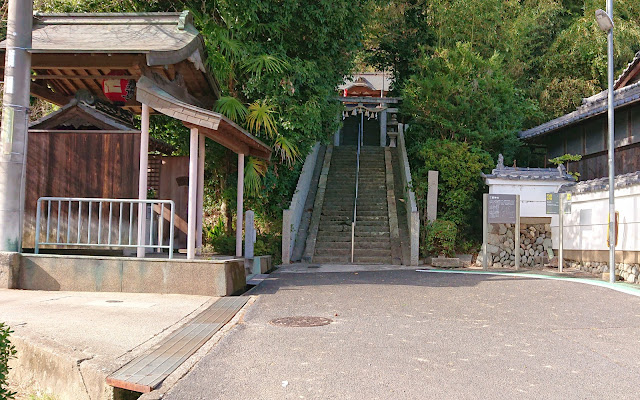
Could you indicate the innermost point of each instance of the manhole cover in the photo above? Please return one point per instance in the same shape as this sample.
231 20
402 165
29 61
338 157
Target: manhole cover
301 322
114 301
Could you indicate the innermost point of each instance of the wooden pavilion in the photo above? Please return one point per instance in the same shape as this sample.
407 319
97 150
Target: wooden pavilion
161 59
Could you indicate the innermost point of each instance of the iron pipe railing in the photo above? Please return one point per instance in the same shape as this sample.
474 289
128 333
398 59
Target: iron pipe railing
157 207
355 198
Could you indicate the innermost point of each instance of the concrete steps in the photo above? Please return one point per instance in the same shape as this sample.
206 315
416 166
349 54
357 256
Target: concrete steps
372 236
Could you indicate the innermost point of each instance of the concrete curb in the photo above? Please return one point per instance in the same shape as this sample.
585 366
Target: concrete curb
191 362
618 287
70 373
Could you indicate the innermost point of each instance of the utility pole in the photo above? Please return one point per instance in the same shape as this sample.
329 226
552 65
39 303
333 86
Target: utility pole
15 118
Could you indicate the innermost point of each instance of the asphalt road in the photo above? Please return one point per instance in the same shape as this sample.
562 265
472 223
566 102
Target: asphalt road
412 335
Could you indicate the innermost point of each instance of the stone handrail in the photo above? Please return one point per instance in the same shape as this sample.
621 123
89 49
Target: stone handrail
413 219
291 217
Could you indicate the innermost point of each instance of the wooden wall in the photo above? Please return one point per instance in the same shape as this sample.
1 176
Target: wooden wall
589 138
79 165
174 185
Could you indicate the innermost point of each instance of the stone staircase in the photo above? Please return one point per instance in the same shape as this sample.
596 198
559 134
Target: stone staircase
372 237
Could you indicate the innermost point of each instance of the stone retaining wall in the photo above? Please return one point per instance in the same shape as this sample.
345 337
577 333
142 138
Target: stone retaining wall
535 245
624 272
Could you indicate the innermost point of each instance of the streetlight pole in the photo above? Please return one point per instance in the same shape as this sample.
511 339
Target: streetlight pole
605 21
612 208
15 116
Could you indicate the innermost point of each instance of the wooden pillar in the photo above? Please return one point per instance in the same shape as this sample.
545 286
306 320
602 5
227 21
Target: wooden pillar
200 207
193 194
239 210
142 181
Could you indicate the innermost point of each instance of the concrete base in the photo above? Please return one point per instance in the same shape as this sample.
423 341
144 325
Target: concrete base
606 275
445 262
9 268
132 275
258 265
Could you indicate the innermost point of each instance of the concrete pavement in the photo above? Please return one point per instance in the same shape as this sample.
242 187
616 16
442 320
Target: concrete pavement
403 334
68 342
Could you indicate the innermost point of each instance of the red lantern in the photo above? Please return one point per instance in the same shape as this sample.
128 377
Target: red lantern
118 90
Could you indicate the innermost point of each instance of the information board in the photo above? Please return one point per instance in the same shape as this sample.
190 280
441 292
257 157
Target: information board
502 209
553 203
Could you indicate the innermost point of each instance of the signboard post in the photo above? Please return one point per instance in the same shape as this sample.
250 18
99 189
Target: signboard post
555 203
501 209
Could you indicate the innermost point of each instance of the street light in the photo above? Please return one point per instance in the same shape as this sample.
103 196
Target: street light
605 22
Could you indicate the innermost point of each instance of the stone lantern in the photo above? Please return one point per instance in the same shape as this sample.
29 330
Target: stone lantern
392 130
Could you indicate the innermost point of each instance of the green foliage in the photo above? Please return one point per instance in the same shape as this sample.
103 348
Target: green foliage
394 36
254 171
440 238
224 244
457 94
7 352
232 108
460 185
269 245
261 116
566 158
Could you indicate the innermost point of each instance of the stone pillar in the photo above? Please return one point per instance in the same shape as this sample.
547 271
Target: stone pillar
432 196
249 234
383 128
336 138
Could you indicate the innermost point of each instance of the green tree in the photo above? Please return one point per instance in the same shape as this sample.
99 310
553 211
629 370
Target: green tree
459 186
459 95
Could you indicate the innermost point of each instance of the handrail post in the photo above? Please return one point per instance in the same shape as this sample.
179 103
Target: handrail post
37 242
355 199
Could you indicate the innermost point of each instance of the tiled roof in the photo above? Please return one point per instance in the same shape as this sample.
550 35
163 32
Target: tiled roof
627 71
592 106
536 174
516 173
374 80
601 184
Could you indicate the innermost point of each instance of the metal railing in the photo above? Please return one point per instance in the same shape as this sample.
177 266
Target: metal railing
355 199
73 207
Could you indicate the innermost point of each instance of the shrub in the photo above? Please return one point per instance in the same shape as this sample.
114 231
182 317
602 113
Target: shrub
268 244
440 238
7 352
224 244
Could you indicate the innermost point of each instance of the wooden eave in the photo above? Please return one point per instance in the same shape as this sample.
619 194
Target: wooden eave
215 126
65 60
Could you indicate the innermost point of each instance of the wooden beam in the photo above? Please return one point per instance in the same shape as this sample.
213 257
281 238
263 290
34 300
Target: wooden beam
628 77
56 61
59 77
43 92
228 142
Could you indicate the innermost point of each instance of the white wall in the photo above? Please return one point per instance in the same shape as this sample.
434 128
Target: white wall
586 227
532 193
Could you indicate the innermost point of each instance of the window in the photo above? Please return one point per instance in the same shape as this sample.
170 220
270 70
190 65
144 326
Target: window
574 140
621 125
594 132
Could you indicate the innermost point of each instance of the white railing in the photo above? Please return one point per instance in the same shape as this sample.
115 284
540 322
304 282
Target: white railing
116 208
355 199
